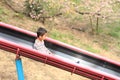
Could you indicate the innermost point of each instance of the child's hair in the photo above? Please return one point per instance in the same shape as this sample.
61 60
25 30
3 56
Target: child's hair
41 31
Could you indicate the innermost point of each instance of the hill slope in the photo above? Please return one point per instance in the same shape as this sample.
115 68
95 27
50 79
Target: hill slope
36 70
33 70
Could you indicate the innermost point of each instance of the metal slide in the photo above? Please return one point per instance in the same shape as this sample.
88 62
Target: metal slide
66 57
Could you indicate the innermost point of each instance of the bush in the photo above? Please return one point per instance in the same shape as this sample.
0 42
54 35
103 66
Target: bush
34 8
37 9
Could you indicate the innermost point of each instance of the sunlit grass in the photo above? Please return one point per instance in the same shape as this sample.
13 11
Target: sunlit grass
70 38
62 36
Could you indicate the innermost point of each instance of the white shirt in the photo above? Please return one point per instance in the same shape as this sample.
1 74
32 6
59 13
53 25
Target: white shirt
39 45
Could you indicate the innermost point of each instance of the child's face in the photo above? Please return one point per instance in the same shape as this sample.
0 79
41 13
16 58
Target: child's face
43 37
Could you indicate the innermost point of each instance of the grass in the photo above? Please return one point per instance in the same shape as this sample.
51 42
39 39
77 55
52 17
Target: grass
76 1
1 14
4 14
69 38
118 45
114 30
90 48
1 10
105 46
19 15
77 18
114 34
62 36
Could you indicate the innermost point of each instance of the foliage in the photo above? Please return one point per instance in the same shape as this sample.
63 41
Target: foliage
105 11
37 9
34 8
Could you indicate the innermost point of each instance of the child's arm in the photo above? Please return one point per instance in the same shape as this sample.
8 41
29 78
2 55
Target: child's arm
48 51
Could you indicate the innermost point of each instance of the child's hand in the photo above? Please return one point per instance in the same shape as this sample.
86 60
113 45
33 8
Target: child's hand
51 53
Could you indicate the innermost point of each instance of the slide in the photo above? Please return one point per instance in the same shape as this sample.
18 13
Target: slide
66 57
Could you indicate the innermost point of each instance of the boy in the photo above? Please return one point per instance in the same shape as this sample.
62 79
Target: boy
39 42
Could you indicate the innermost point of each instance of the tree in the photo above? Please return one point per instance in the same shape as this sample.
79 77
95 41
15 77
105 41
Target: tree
100 11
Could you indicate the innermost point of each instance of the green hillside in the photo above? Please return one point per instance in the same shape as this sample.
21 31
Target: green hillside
92 25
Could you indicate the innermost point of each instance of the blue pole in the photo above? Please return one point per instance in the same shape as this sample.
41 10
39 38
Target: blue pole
19 69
